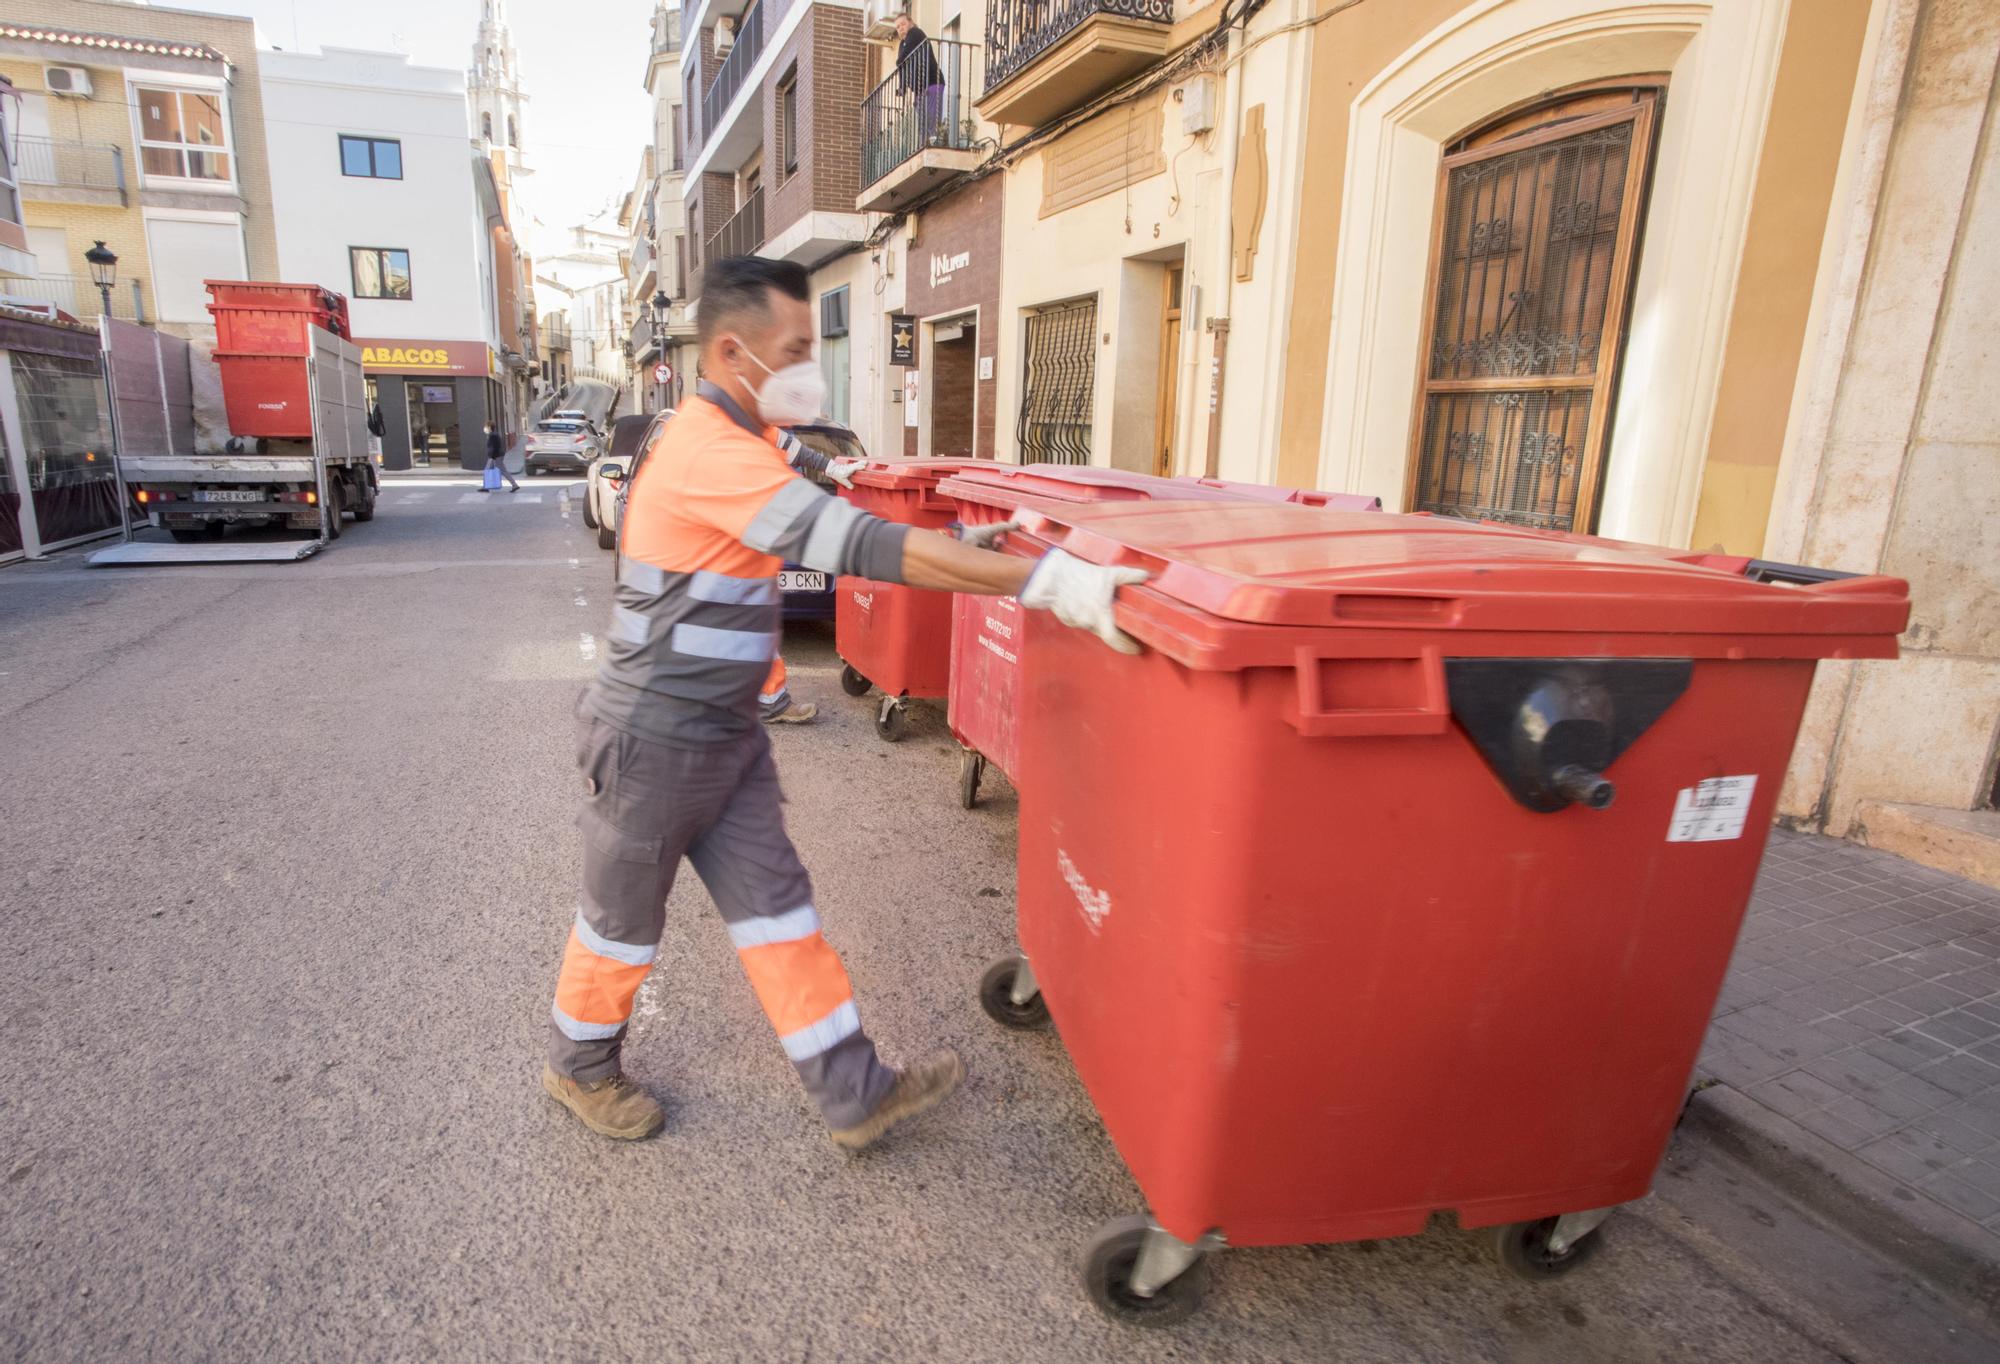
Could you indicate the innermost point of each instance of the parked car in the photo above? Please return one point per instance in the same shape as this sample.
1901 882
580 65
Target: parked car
604 485
565 443
808 593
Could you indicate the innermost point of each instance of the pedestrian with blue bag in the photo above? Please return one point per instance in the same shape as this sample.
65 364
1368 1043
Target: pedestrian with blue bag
496 463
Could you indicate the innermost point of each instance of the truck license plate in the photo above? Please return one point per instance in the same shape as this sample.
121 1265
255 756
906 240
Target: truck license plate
796 580
227 495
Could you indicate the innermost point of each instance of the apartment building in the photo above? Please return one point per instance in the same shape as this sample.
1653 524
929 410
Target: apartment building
379 195
772 90
143 128
655 213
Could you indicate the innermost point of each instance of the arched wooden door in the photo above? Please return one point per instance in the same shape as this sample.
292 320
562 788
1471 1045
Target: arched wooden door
1536 238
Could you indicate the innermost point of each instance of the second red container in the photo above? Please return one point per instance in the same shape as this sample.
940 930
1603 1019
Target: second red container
986 632
894 638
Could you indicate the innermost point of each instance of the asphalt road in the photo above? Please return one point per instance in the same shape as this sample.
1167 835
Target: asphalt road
286 861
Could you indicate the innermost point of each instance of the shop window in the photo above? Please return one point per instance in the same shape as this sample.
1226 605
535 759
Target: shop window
835 357
380 271
376 158
1532 262
1058 383
183 134
66 432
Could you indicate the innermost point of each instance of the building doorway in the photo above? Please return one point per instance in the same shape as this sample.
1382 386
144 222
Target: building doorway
954 387
434 436
1532 264
1170 373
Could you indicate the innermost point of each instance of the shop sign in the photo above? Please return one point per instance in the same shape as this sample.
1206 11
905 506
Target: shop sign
902 339
944 267
390 356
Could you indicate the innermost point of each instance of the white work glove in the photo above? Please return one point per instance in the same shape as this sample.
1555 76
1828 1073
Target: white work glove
984 537
1082 595
842 471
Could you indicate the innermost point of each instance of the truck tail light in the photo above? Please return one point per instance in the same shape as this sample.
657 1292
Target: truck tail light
144 497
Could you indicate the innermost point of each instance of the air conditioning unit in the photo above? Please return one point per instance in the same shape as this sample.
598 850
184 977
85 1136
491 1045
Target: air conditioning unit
878 20
70 81
725 35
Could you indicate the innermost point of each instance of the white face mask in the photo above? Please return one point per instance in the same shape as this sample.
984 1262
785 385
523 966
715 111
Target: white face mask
796 393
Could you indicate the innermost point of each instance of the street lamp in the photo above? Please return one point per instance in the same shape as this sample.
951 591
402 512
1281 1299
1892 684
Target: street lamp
661 310
103 271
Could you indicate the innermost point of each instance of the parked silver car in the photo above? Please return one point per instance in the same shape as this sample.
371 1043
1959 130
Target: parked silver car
564 443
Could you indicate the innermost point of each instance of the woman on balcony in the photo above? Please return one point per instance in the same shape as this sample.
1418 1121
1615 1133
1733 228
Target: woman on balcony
918 73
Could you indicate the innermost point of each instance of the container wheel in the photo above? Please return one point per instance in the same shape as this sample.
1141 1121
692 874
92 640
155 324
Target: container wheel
852 682
996 996
892 720
971 767
1523 1250
1107 1276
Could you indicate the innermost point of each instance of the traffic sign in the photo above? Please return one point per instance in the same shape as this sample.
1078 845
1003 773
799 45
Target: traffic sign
663 373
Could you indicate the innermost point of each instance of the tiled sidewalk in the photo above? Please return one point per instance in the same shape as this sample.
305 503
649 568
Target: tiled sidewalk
1864 1004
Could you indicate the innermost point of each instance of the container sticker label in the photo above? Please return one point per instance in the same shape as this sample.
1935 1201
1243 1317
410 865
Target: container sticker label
1711 811
1095 904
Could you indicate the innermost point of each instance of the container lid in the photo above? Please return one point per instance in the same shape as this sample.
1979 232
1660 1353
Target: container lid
911 474
1279 565
1030 485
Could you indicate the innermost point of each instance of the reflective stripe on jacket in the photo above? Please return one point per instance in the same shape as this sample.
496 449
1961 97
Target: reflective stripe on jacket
713 513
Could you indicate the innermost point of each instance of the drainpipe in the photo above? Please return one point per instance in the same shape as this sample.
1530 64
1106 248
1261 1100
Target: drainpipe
1217 322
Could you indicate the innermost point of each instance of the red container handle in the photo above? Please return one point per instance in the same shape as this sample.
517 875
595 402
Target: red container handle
1315 720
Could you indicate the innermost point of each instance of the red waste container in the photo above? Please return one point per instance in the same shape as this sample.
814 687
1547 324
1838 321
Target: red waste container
896 638
983 707
1399 873
263 345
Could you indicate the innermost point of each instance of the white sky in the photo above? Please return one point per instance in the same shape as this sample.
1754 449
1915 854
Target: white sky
581 61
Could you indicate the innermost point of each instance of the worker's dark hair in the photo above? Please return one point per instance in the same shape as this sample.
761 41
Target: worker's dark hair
736 292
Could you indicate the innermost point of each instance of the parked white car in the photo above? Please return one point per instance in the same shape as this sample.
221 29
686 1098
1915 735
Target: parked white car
605 482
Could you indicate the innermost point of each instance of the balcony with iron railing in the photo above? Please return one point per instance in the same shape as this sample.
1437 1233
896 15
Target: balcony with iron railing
1045 58
61 170
76 295
742 234
743 55
917 127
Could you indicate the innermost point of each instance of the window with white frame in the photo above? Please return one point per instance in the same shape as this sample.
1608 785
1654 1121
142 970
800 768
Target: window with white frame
183 134
10 193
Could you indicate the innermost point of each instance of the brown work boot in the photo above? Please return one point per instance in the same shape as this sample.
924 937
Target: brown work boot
920 1087
613 1107
791 713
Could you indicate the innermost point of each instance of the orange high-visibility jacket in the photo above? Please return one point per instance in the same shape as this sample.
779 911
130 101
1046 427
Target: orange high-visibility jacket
712 514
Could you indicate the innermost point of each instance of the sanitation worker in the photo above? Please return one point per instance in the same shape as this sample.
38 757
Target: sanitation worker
675 761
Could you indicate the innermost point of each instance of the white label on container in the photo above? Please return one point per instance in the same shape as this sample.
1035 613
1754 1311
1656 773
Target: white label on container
1711 811
1095 905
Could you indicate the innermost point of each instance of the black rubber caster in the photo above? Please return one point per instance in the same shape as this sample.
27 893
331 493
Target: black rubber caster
971 767
892 720
1522 1248
996 996
1107 1277
852 682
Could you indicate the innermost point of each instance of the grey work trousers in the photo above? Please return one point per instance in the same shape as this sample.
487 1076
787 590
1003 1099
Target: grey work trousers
647 805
